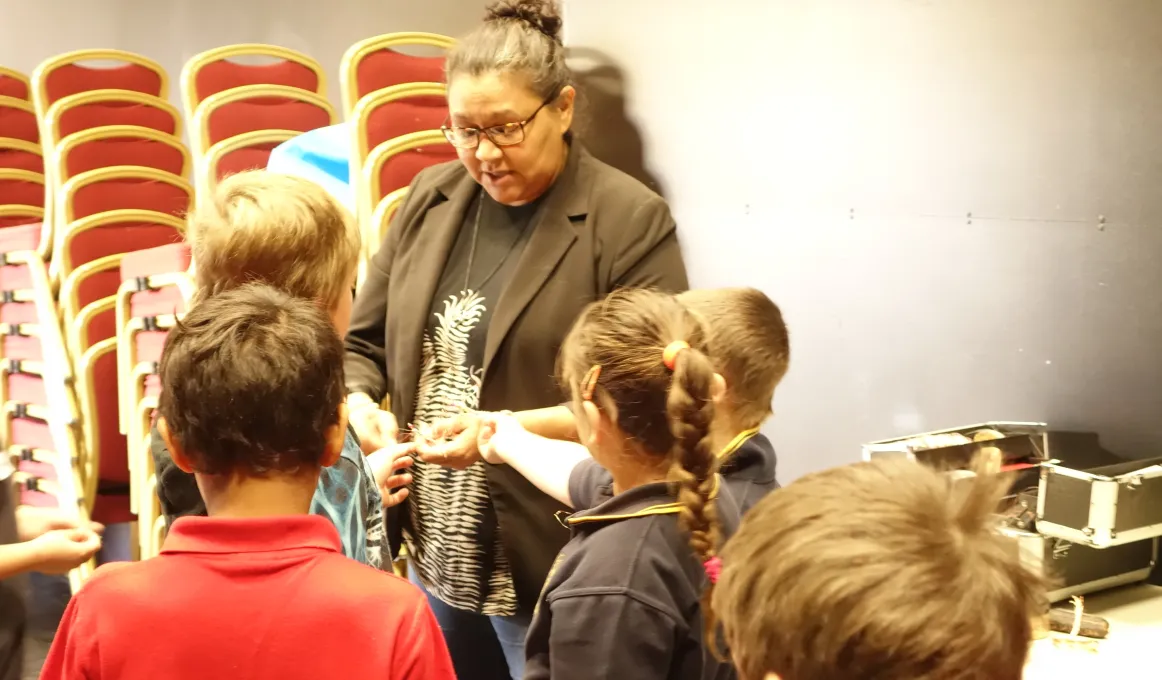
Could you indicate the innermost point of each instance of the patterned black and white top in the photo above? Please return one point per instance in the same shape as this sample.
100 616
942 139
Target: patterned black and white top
453 535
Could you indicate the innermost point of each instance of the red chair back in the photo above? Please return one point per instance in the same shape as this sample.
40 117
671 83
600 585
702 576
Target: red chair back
128 150
263 113
388 67
117 193
247 158
21 187
155 116
114 463
75 72
18 154
396 118
217 70
18 120
398 171
110 234
14 84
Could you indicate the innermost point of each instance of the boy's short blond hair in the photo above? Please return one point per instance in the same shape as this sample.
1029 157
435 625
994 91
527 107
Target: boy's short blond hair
881 570
281 230
748 344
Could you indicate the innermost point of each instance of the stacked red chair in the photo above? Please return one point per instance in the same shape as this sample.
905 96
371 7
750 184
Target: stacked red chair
252 108
387 96
14 84
154 292
92 88
389 114
377 63
110 178
39 428
22 181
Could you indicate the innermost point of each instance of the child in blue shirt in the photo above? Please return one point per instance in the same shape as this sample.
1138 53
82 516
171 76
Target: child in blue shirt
289 233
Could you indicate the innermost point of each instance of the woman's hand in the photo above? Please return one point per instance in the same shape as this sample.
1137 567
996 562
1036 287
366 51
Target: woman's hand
60 550
390 466
500 434
376 428
450 442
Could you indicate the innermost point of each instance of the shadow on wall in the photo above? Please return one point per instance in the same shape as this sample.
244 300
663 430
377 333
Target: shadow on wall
603 123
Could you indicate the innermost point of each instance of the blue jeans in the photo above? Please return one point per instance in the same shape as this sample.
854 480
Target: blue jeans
482 647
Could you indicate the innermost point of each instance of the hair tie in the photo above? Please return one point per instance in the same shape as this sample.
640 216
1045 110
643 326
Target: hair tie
713 567
589 383
670 354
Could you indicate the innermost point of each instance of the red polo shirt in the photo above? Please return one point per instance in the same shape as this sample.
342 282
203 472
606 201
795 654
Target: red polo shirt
248 599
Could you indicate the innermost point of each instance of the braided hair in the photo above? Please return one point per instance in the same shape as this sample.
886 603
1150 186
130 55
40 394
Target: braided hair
667 411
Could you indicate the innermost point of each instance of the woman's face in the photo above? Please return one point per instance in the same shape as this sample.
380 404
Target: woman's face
516 174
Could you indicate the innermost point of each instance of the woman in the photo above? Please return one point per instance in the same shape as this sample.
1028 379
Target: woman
483 271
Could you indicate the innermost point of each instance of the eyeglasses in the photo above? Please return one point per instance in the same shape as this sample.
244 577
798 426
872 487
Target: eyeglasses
507 134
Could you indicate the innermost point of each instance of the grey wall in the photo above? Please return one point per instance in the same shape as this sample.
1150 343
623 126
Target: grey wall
830 152
172 31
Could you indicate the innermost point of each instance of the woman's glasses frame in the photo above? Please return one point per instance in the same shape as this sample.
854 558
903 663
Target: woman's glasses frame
507 134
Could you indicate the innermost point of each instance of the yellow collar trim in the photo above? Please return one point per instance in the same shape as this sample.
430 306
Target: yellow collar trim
661 509
736 443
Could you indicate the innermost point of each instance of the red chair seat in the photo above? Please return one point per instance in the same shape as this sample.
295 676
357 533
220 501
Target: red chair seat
166 259
27 388
19 236
149 345
38 499
32 433
152 387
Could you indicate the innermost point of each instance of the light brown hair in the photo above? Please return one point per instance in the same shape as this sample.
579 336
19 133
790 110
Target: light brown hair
749 345
252 379
886 570
667 412
277 229
522 37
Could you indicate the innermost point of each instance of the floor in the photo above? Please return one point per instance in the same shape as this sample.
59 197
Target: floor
48 597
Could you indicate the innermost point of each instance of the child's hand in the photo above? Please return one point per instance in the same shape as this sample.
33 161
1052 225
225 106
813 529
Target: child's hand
32 522
390 465
376 428
499 434
60 550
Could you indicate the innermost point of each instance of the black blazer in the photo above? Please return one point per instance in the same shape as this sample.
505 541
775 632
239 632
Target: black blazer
601 230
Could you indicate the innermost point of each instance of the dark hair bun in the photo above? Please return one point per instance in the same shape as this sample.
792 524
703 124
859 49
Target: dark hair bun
541 15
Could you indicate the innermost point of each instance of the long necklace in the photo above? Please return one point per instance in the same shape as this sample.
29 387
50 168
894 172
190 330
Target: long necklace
472 248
